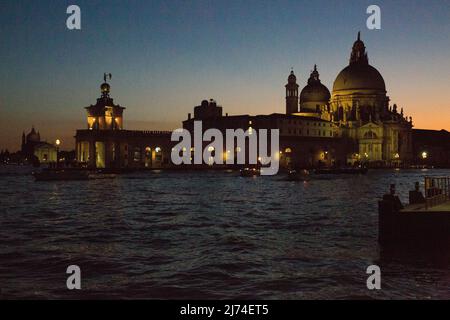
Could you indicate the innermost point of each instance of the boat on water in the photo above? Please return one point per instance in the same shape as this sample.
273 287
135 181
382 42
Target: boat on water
344 170
102 176
298 175
250 172
61 175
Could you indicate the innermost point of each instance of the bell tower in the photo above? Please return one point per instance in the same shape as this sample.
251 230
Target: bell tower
292 94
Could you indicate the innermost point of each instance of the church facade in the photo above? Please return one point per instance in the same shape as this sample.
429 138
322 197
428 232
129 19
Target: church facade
360 108
33 149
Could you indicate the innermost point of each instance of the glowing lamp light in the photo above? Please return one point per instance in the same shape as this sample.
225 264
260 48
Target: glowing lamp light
58 142
158 149
424 155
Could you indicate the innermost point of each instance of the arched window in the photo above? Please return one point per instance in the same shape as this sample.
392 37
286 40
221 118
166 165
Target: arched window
370 135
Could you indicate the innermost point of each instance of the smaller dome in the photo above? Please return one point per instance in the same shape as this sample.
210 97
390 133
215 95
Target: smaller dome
315 91
33 136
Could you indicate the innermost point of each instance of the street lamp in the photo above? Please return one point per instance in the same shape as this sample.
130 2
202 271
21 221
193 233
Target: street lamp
424 155
57 142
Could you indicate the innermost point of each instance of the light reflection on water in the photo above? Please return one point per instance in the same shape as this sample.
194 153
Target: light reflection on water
205 235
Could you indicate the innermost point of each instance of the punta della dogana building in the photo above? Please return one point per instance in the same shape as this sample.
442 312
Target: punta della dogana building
105 143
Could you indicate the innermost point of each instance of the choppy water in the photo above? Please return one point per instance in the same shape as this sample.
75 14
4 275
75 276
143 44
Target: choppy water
205 235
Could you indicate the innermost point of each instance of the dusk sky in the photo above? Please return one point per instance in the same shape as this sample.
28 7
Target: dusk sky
167 56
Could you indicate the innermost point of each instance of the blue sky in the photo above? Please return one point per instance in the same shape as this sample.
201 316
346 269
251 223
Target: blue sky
166 56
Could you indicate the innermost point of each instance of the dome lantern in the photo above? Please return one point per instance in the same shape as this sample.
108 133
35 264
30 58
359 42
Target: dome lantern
359 54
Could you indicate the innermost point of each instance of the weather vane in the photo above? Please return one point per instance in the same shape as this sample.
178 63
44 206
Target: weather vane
106 76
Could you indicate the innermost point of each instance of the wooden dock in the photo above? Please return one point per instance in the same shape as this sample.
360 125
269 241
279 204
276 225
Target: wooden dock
412 208
425 221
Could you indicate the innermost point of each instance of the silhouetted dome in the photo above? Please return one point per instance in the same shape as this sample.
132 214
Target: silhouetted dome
359 76
315 91
33 136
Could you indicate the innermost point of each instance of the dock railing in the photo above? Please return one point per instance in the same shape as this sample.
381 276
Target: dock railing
437 191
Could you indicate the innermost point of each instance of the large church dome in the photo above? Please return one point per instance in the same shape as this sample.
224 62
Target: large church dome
356 77
359 75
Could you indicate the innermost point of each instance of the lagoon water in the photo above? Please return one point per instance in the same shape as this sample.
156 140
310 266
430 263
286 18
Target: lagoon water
209 235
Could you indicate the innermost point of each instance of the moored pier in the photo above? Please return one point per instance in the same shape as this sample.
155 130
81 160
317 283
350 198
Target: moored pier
424 222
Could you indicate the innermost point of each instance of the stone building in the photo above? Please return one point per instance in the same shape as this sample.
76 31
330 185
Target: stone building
304 141
33 148
46 153
105 143
359 108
